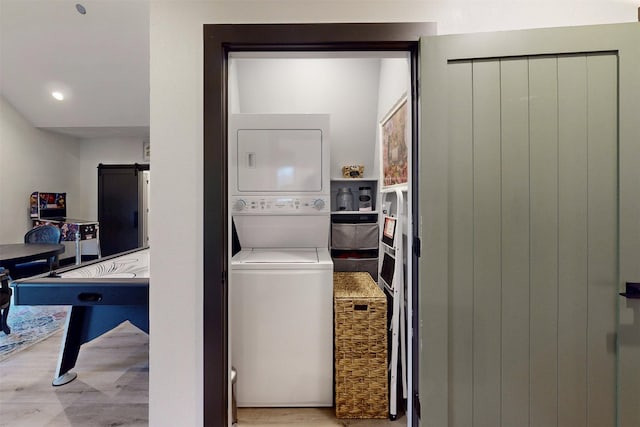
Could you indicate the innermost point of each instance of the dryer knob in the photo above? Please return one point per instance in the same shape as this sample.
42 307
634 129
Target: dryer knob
318 204
240 205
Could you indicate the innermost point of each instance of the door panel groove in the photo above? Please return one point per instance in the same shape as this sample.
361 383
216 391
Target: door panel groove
531 193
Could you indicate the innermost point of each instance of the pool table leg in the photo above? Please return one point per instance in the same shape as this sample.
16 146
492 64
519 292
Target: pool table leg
85 323
71 342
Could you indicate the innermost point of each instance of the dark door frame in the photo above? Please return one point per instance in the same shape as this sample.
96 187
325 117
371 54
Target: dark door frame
219 40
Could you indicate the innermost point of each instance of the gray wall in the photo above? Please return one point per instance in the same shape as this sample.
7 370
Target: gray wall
112 150
33 160
39 160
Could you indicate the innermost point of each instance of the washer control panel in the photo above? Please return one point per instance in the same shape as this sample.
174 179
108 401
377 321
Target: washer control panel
279 204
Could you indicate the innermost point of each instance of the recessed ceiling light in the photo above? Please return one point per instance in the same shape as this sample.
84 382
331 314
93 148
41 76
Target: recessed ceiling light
80 8
57 95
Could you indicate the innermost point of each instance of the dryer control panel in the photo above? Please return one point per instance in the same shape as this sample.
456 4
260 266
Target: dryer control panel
289 205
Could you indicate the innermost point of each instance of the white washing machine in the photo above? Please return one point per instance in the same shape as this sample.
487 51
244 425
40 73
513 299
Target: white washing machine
281 303
281 282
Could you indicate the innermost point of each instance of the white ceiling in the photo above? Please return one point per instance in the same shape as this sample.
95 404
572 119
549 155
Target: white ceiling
100 60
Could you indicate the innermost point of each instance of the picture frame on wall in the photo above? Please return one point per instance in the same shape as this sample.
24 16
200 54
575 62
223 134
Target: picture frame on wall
395 152
389 231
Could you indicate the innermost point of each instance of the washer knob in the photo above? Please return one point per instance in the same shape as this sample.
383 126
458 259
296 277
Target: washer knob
240 204
318 204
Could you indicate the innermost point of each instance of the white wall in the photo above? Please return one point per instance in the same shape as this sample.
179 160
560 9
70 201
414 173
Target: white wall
232 87
106 150
33 160
175 395
395 76
344 88
395 83
56 163
112 150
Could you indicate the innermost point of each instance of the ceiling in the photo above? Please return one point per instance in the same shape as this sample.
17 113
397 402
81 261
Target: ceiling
99 60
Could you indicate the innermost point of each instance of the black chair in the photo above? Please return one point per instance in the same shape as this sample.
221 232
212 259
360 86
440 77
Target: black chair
49 234
5 300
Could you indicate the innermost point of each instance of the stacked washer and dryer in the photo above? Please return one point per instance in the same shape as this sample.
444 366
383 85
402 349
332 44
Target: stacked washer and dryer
281 287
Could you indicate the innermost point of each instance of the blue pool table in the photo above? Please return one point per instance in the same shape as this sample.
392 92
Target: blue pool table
102 294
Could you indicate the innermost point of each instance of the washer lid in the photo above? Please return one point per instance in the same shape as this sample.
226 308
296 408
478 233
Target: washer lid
302 255
283 231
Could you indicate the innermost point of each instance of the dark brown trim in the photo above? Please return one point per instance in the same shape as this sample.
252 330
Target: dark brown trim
414 250
137 166
219 40
215 235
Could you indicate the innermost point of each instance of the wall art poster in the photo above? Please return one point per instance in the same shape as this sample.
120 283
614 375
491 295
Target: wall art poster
394 146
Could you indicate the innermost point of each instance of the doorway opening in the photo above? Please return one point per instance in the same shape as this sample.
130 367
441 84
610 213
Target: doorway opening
356 92
220 42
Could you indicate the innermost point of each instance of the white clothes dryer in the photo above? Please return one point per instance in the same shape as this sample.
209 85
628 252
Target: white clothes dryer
279 154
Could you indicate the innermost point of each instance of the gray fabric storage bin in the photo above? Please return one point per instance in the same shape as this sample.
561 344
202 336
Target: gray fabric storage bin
354 236
368 265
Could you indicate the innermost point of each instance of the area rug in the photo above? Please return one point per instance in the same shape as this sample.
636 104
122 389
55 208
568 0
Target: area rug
30 325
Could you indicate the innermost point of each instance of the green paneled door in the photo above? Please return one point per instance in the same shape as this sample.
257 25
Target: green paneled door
541 223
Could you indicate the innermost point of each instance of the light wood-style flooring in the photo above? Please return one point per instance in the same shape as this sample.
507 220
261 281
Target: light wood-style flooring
307 417
112 389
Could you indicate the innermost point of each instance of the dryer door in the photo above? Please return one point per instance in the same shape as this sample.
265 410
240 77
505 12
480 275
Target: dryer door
280 160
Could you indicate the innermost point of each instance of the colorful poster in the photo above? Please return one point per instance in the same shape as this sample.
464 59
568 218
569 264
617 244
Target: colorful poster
394 146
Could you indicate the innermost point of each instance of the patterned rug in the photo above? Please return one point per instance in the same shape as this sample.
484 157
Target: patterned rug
30 325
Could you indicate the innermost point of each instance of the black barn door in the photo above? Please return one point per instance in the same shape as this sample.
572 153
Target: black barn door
118 205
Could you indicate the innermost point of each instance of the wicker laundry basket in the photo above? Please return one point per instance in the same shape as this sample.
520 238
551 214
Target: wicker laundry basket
360 317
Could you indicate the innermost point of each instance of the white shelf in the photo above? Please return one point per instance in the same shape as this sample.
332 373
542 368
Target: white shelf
354 179
395 289
354 184
353 212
